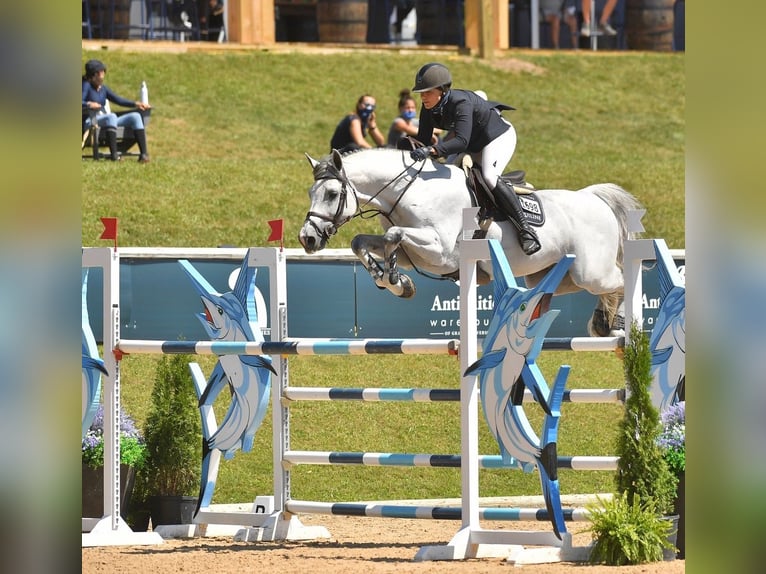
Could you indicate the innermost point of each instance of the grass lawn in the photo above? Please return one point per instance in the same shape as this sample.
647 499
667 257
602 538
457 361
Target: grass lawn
227 140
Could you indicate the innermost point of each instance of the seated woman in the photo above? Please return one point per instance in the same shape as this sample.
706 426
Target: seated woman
95 95
351 131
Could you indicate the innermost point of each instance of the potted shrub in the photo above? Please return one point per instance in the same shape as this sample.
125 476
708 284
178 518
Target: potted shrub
672 441
173 433
132 459
632 528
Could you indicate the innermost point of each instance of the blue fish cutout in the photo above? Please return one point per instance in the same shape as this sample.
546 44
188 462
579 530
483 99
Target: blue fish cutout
668 340
514 339
92 365
231 317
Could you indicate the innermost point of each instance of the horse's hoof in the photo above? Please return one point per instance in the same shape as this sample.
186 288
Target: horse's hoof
598 326
408 287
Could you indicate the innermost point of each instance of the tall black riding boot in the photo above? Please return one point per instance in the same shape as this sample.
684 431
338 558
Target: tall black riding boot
94 141
507 200
111 139
143 156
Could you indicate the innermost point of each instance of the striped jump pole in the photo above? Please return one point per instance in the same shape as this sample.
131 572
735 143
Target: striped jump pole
295 347
346 346
487 461
432 395
378 510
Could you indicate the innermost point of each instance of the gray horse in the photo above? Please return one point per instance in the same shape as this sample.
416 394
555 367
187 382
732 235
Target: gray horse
420 205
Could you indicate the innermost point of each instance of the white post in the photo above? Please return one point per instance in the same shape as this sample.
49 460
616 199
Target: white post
634 253
472 541
111 529
279 525
276 262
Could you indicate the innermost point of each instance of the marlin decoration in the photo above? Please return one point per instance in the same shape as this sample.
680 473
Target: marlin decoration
668 340
230 317
92 365
514 339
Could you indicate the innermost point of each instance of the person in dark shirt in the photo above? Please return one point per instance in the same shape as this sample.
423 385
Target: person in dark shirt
477 127
95 95
211 21
351 131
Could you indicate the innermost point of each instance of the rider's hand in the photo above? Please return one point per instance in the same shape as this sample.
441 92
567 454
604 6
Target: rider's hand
421 153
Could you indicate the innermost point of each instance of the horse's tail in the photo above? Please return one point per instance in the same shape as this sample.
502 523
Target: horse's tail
620 202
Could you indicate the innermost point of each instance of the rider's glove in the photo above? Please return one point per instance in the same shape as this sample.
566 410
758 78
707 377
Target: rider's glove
421 153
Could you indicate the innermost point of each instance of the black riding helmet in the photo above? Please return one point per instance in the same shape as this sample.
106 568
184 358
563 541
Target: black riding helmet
93 67
431 76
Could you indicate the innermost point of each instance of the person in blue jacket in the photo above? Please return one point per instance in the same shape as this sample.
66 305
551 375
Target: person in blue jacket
95 95
476 126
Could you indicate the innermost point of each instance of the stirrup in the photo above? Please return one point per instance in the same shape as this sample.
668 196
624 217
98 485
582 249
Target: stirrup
529 243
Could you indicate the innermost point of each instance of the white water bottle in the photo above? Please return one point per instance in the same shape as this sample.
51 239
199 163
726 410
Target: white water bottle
143 94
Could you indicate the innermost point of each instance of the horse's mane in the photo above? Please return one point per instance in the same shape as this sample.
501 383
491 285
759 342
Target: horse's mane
325 165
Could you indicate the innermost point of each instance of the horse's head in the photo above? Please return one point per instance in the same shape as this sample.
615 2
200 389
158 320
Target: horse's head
330 206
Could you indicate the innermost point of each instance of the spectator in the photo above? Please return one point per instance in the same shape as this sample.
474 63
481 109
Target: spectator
479 129
603 25
406 123
403 8
211 22
95 95
552 11
352 130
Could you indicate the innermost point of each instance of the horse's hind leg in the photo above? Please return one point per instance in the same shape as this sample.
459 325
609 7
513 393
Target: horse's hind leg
608 319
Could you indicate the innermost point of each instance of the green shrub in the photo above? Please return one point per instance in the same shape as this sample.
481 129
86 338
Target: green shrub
642 470
173 431
627 533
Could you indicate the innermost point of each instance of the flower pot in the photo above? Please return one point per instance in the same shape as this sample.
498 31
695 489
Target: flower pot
669 554
138 517
172 509
678 508
93 490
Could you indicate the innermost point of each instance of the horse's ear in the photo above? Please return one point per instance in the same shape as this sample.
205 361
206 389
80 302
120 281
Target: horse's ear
312 161
337 160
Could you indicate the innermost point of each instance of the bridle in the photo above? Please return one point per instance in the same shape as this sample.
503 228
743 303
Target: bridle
337 220
329 171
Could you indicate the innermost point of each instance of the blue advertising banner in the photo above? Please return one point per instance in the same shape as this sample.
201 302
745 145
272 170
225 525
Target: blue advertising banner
326 298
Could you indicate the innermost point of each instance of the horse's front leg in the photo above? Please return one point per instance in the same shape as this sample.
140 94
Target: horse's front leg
372 248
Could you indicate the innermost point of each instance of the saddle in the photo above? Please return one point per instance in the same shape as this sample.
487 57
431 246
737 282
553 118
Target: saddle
481 194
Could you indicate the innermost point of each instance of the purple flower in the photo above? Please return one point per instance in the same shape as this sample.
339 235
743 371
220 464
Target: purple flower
132 446
127 424
672 440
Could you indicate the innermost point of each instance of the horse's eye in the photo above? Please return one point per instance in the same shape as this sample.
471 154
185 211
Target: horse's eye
332 194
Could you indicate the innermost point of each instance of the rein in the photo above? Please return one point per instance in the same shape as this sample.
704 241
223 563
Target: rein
337 221
363 213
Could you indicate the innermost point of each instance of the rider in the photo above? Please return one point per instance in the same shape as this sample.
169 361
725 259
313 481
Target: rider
476 127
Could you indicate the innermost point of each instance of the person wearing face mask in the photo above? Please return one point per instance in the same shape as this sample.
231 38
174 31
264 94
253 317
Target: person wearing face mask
352 130
477 127
406 123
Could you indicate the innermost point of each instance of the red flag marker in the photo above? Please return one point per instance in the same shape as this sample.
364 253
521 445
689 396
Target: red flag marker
277 232
110 229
